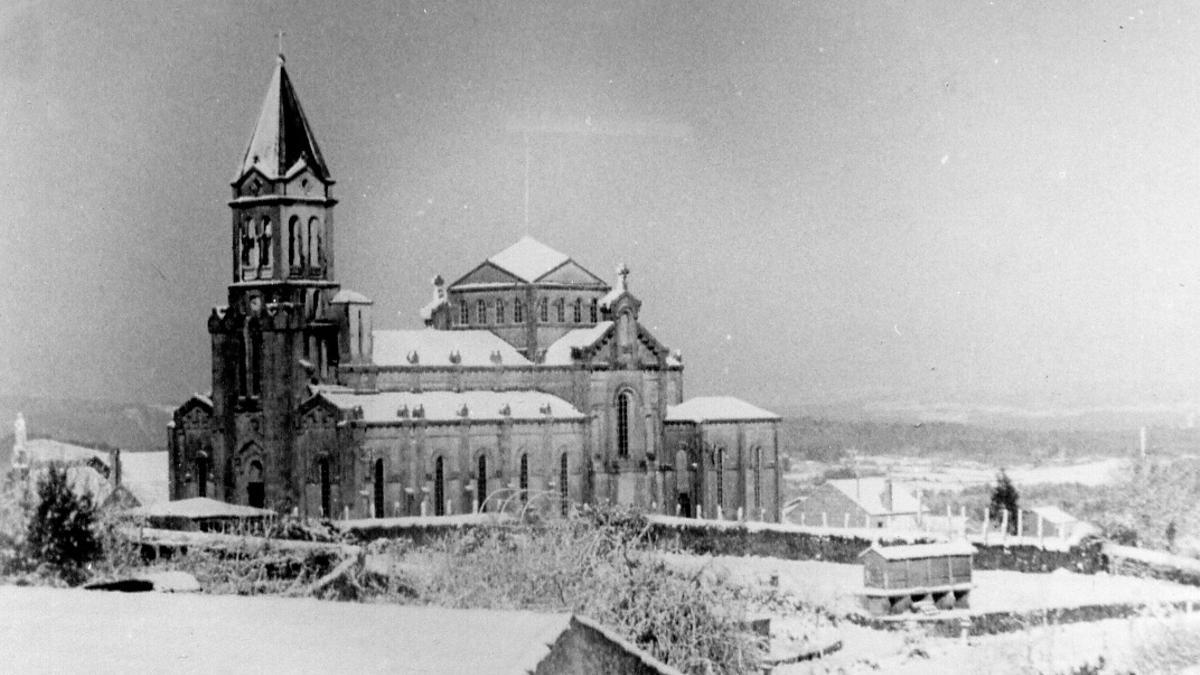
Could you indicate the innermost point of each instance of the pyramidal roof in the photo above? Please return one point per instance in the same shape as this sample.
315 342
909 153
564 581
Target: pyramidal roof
282 138
528 259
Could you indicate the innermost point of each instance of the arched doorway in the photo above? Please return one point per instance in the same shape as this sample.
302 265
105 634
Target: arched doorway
379 506
202 475
256 492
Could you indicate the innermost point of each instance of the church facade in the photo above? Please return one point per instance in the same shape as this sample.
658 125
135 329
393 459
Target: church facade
533 384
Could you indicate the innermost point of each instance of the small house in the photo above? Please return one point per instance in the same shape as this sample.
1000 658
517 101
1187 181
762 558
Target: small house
897 577
1052 522
860 502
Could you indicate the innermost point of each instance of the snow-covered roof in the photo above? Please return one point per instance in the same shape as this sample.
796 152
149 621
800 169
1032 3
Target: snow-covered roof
198 507
45 450
528 259
350 297
717 409
1054 514
869 493
559 353
282 139
434 347
441 406
918 551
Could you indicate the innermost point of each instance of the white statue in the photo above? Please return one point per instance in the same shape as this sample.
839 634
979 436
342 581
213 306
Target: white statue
20 458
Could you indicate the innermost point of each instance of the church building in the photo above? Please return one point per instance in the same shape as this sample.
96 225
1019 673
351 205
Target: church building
533 383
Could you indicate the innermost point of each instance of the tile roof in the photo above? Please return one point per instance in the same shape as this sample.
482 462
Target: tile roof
1054 514
868 493
351 297
528 259
282 140
559 353
716 409
434 347
443 406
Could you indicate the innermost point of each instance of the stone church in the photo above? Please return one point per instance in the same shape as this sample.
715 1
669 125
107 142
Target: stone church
533 383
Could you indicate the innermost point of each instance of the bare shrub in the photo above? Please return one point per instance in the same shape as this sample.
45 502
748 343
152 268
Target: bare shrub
594 564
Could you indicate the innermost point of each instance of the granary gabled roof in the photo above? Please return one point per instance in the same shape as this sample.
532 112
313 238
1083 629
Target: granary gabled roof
282 138
920 551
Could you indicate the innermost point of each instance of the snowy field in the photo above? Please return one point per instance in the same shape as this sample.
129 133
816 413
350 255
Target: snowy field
942 475
835 586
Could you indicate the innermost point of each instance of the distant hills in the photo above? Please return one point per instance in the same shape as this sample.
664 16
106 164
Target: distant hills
135 427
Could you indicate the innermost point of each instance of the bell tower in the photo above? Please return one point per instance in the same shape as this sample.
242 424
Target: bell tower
279 333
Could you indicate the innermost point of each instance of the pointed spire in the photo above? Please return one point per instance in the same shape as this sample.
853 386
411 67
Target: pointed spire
282 138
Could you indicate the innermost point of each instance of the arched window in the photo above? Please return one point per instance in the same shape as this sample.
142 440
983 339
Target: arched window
326 488
578 310
481 486
544 310
264 244
560 310
313 242
499 311
481 311
721 478
464 313
518 311
202 475
439 487
295 242
595 310
379 485
256 494
563 482
524 477
624 399
247 241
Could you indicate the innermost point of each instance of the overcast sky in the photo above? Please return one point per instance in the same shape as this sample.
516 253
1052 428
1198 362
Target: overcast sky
819 201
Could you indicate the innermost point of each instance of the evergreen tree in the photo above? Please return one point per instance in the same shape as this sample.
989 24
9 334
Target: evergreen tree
1004 499
61 531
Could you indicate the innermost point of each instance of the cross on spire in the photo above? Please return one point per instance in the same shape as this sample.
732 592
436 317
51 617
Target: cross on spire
280 35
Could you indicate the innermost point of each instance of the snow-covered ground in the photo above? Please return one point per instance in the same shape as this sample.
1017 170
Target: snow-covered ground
943 475
836 586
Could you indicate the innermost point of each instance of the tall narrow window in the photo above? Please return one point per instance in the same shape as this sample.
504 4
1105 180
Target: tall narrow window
264 244
247 241
313 243
499 311
481 312
595 310
757 478
721 477
481 486
254 336
464 313
326 488
295 243
202 475
518 311
544 310
623 401
563 478
560 310
439 486
361 333
578 310
524 477
379 485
